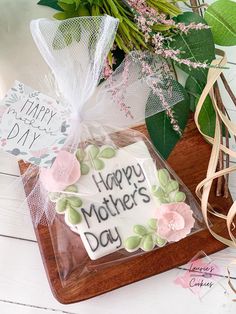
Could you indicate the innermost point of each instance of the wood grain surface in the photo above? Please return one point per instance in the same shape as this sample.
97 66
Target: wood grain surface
86 278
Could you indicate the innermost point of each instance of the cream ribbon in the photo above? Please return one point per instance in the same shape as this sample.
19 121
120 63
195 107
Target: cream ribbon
204 187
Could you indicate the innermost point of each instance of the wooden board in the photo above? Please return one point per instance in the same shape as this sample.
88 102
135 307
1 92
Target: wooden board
189 159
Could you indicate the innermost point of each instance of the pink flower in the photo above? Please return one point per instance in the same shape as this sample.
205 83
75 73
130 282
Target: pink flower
64 172
175 221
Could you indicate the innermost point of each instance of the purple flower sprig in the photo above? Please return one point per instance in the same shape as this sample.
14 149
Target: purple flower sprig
147 18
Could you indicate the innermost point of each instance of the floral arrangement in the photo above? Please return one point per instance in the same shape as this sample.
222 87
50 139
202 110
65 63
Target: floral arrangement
185 39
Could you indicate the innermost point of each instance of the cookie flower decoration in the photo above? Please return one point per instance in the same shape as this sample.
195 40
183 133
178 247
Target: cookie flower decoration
65 171
175 221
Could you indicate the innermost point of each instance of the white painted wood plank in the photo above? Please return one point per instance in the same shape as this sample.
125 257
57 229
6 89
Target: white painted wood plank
22 277
13 308
15 218
8 163
19 56
23 280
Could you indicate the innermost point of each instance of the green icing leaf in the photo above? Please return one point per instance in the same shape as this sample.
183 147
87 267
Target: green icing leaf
61 205
169 190
147 243
84 168
221 16
197 45
180 197
74 217
74 201
164 200
72 188
140 230
98 164
159 241
172 186
80 154
145 238
93 151
132 243
163 177
160 129
152 223
159 193
107 152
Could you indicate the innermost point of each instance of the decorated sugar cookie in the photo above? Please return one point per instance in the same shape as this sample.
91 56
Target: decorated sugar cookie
117 199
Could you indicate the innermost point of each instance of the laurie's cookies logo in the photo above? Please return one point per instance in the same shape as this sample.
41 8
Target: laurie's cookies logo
200 275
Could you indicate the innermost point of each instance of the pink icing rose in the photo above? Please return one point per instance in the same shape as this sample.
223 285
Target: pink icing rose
175 221
64 172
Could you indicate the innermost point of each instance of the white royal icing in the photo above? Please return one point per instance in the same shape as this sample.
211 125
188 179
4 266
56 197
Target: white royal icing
126 178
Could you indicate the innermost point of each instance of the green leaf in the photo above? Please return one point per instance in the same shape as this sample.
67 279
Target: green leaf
132 243
207 117
163 200
84 168
50 3
98 164
152 223
80 154
67 7
207 113
61 205
147 243
158 192
194 89
140 230
221 16
58 43
160 241
74 217
67 1
160 27
93 151
77 4
172 186
167 7
160 130
74 201
60 16
197 45
180 197
163 177
107 152
83 11
71 188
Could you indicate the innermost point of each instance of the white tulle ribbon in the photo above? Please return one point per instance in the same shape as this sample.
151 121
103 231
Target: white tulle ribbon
75 51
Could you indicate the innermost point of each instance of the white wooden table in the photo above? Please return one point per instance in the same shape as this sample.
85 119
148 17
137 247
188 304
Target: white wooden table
23 285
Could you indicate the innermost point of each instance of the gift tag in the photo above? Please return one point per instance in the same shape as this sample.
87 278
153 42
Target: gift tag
115 202
33 126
